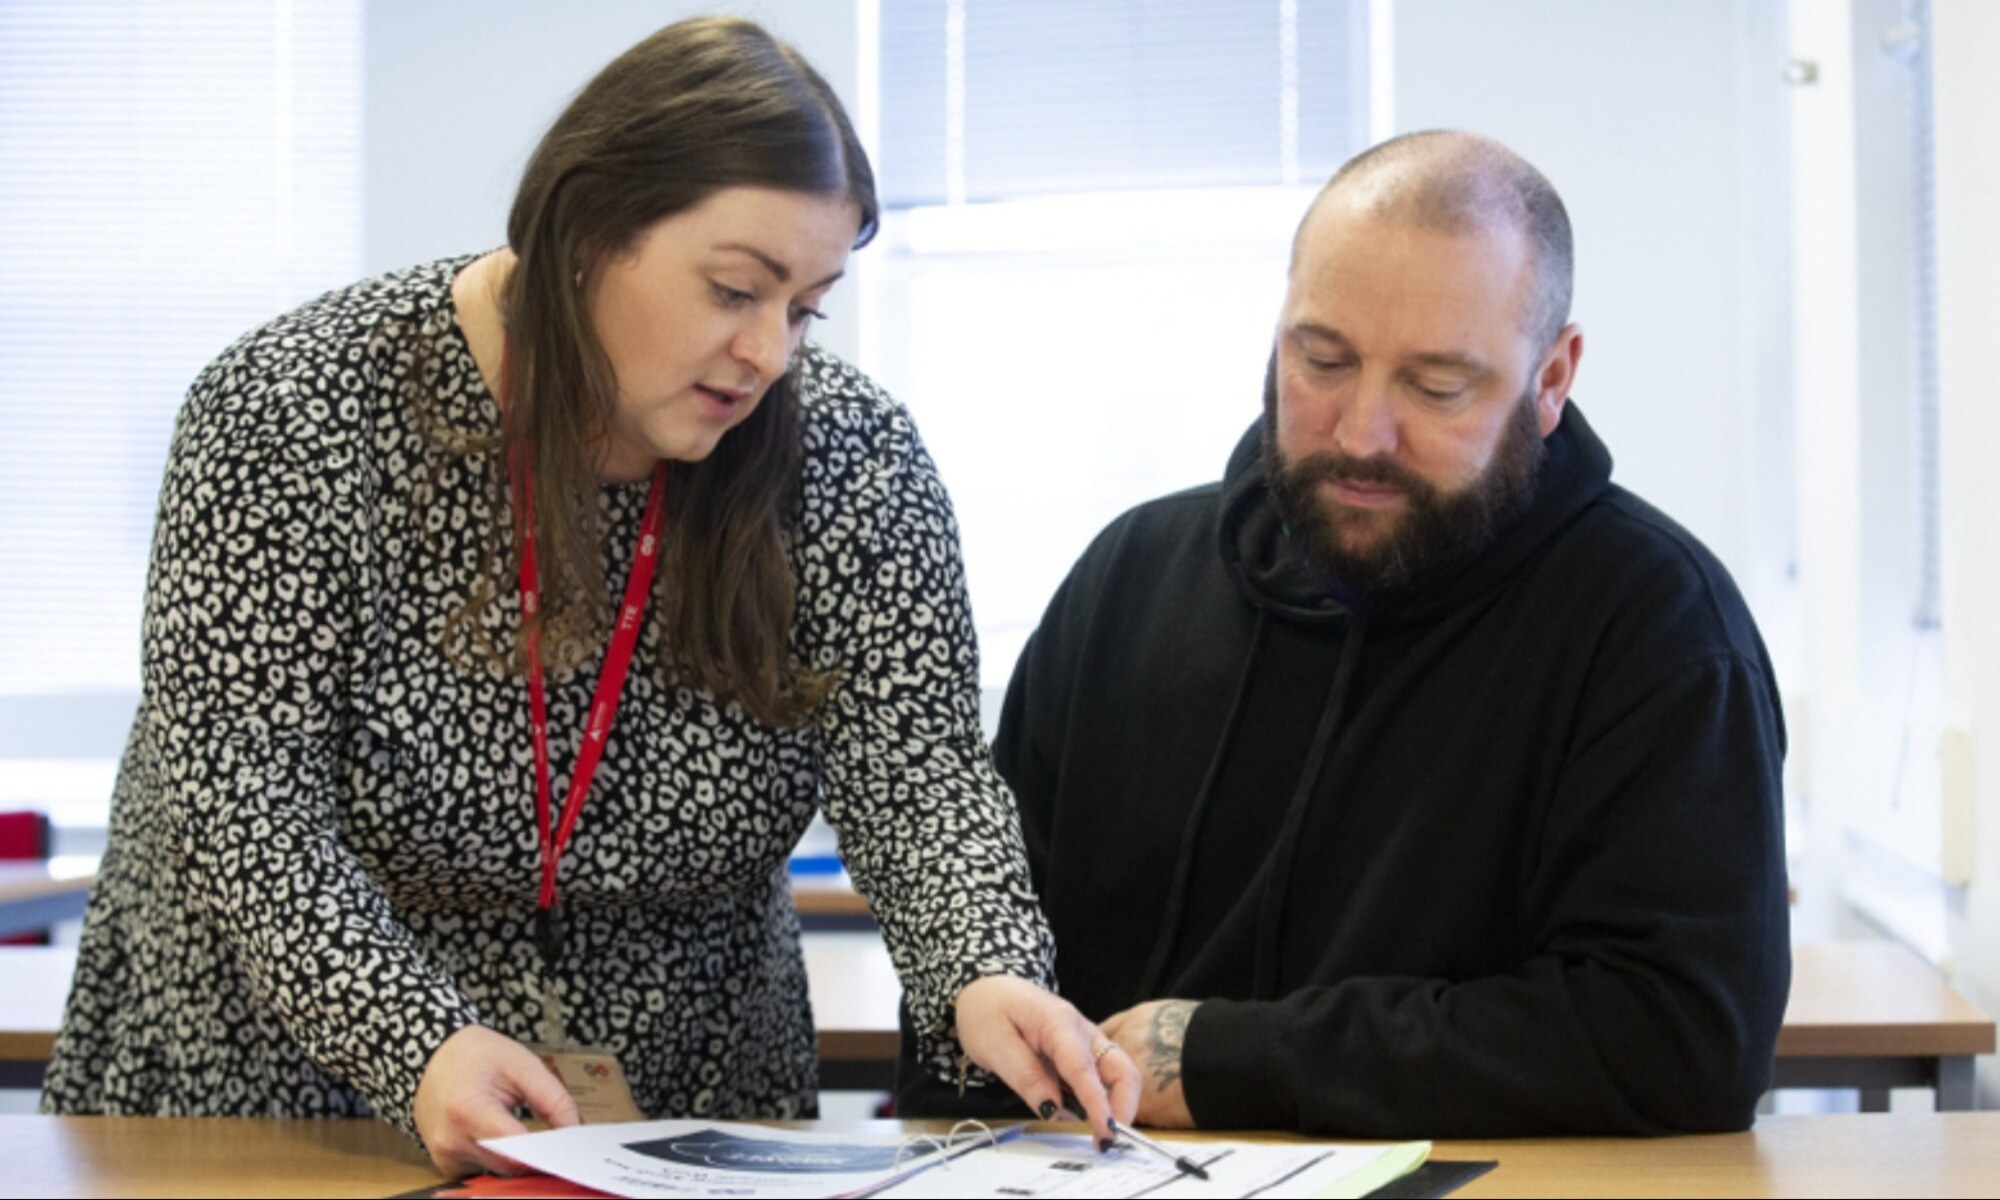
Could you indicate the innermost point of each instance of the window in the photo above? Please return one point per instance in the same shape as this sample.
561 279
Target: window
1089 210
1886 756
175 175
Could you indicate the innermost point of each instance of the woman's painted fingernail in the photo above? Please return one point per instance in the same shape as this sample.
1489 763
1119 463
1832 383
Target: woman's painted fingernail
1048 1110
1104 1145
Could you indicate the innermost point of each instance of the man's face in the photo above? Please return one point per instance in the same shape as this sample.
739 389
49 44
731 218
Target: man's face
1406 406
1435 533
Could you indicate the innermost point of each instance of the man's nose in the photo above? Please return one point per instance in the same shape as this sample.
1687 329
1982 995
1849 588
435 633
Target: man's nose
1365 426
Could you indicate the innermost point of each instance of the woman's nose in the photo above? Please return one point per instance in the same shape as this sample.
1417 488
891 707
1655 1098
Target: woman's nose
765 346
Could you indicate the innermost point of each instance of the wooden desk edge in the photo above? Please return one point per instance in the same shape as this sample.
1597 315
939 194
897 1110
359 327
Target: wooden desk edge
1910 1040
36 1046
39 886
827 900
1880 1154
859 1045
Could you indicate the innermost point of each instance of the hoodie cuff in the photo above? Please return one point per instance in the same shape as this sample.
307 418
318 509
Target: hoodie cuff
1232 1068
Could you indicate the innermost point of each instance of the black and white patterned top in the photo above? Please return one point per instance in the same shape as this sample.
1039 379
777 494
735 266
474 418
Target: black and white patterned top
323 857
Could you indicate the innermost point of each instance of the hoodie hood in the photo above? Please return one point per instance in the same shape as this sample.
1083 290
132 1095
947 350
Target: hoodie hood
1277 580
1274 576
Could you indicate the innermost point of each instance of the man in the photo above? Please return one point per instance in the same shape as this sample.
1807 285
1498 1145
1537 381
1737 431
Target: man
1415 780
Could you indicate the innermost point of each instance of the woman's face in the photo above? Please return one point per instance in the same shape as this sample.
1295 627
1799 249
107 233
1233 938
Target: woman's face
701 313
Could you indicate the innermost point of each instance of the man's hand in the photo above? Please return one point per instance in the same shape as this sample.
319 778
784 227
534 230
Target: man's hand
1038 1044
469 1090
1153 1034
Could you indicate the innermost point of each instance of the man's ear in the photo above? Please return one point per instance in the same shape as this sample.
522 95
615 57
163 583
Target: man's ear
1557 373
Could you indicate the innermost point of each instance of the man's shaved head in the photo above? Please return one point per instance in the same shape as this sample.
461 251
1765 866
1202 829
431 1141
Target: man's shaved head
1448 181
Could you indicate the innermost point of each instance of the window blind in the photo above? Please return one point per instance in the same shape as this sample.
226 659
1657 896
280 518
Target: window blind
987 100
174 175
1928 607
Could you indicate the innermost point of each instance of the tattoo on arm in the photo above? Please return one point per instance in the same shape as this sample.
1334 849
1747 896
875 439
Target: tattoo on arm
1165 1036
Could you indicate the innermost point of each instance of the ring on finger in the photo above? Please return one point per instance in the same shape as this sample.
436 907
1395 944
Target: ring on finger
1103 1046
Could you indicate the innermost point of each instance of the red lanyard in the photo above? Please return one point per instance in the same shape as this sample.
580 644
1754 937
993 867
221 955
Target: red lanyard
610 683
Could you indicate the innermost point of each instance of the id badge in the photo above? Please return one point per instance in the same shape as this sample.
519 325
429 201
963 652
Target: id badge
595 1081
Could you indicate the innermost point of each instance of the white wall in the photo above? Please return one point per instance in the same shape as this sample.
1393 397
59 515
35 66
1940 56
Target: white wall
459 91
1662 125
1967 96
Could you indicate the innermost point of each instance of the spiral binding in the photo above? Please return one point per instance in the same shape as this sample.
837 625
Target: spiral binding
949 1148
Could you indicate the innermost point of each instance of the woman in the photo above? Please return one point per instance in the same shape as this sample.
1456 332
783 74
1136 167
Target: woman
410 788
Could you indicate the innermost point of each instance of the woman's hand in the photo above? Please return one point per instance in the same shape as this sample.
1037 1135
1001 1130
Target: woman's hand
1038 1044
469 1091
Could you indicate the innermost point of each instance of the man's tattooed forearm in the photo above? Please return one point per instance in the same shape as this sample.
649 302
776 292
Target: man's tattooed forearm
1165 1036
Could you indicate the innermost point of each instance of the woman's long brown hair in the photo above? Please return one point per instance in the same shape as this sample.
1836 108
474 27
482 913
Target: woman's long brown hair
699 106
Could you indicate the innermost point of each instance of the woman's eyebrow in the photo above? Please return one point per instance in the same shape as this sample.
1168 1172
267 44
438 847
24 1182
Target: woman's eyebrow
778 269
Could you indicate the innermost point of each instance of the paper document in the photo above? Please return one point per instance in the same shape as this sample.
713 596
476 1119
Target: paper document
1055 1165
720 1158
717 1159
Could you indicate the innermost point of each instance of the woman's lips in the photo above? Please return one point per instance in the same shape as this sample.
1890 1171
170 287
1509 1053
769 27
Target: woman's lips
721 403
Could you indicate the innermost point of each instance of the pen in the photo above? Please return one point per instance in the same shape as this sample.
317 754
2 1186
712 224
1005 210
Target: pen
1187 1165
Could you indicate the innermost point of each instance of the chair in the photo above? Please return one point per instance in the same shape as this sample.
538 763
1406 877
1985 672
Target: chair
25 836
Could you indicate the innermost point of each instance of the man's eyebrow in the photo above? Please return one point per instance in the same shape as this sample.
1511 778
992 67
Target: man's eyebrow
1453 362
1444 359
1325 333
778 269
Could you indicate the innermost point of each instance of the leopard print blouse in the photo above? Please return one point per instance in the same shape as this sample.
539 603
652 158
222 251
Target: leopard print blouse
323 858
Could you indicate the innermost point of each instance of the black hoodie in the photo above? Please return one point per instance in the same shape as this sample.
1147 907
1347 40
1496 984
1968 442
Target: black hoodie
1504 857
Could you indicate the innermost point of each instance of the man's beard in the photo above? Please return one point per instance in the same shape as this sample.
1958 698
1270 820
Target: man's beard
1436 534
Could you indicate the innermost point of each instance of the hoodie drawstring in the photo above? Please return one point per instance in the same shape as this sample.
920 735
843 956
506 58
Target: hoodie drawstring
1271 908
1170 925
